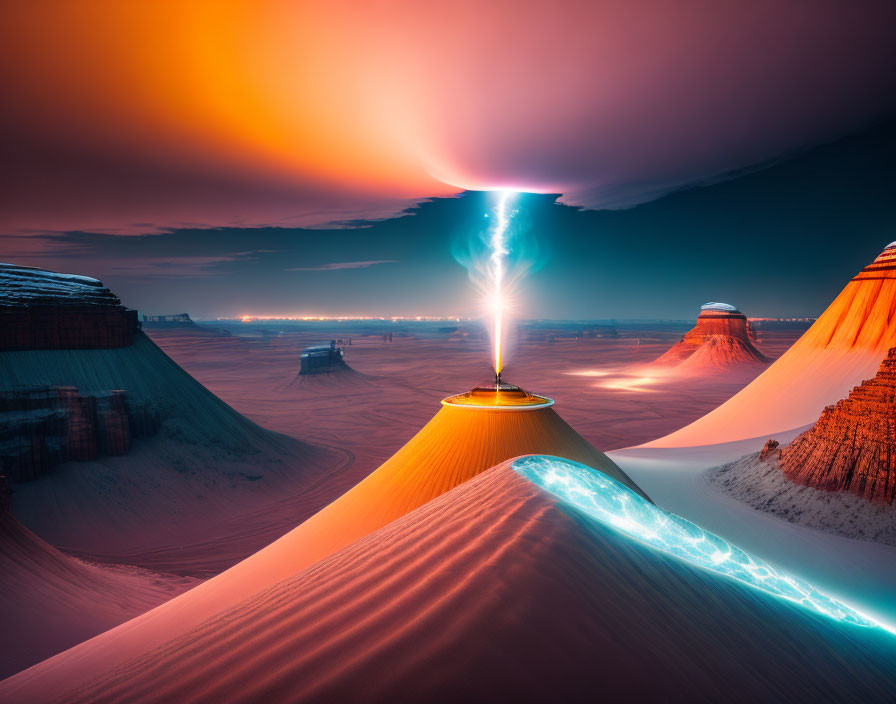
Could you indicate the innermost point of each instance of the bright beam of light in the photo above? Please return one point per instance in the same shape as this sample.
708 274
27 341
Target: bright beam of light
497 269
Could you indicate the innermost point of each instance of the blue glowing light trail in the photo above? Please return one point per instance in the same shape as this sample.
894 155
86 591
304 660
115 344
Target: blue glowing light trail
614 505
499 251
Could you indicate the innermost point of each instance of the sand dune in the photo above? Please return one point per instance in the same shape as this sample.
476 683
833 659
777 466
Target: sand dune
457 444
844 347
52 602
493 591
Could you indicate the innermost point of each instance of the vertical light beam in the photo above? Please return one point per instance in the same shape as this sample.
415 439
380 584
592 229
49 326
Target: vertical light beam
497 269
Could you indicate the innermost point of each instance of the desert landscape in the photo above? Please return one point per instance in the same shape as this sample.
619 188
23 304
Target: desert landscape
480 352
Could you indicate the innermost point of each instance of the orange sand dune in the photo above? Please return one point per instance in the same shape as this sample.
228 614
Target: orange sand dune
51 602
491 592
844 347
457 444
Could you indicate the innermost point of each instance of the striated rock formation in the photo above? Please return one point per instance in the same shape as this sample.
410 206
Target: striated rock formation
770 451
44 426
46 310
721 339
852 446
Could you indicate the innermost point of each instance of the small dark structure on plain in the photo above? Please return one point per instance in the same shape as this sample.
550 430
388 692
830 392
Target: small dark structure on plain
323 359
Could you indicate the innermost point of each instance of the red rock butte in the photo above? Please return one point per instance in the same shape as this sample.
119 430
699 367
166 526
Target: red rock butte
852 446
844 346
718 342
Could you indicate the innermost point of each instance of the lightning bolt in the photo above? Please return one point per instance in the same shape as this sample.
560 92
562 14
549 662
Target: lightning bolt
497 270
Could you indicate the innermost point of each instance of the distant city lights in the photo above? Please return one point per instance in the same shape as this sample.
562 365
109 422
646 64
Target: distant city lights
346 318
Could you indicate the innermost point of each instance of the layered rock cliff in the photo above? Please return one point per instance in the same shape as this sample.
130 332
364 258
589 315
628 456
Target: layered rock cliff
852 446
721 339
42 309
41 427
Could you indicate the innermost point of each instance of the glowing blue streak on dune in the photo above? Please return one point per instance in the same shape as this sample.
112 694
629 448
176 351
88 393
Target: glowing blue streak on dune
616 506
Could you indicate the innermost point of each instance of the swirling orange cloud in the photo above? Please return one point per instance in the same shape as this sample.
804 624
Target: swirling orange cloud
131 116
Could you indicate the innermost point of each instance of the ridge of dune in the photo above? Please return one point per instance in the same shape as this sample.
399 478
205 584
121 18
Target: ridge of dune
493 591
843 347
456 445
51 601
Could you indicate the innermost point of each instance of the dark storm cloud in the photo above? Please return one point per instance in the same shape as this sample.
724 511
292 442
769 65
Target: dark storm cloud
777 241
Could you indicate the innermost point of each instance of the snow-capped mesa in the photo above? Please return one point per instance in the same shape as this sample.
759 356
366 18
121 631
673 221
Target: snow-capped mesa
719 343
26 286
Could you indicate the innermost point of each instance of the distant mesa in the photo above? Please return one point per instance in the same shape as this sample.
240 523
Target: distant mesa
42 309
180 322
843 347
175 320
720 341
852 446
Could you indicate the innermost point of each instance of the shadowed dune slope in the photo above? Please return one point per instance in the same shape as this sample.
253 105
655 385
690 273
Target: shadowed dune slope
51 602
844 347
492 592
206 464
456 445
